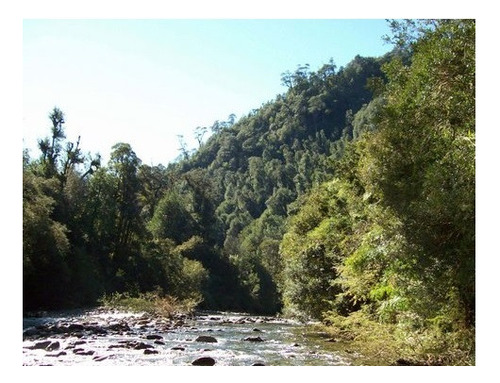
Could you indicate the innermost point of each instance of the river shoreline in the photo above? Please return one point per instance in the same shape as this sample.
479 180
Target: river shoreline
114 337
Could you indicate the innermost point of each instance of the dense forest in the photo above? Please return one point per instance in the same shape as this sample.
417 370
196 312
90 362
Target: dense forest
348 199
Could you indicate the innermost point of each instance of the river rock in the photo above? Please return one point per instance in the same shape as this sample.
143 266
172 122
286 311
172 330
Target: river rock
179 323
153 336
150 352
98 358
254 339
141 346
111 346
407 362
53 346
206 338
61 353
204 361
258 364
75 327
41 345
178 348
119 327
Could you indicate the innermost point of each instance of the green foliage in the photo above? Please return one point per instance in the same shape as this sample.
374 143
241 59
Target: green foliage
171 219
45 244
153 302
395 228
422 160
349 198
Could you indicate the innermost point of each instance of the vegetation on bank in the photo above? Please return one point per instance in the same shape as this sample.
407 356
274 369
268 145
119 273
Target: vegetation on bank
349 199
153 303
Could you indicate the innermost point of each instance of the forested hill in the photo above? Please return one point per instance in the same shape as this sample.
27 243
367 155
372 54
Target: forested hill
251 172
350 197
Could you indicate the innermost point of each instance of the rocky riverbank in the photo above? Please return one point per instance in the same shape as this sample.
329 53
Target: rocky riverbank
118 338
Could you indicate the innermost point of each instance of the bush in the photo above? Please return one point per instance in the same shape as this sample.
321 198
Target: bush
153 302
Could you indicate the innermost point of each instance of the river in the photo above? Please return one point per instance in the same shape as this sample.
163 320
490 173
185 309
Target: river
117 338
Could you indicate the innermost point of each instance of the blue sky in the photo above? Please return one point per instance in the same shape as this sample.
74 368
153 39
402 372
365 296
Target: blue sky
147 81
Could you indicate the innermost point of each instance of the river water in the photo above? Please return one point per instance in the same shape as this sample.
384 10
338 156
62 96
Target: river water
117 338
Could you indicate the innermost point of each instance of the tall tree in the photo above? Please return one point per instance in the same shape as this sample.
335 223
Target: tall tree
124 165
423 156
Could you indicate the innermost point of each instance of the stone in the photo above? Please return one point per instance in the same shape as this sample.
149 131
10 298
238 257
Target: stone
178 348
179 323
141 346
75 327
150 352
406 362
61 353
99 358
119 327
111 346
206 338
153 336
254 339
53 346
41 345
258 364
204 361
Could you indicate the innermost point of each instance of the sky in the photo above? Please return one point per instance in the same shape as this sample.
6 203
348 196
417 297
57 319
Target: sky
147 81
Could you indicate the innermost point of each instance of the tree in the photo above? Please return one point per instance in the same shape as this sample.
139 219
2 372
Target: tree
422 162
124 165
45 246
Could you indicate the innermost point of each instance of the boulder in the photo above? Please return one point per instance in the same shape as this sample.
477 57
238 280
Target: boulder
153 336
117 346
141 346
119 327
254 339
41 345
53 346
204 361
206 338
75 327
